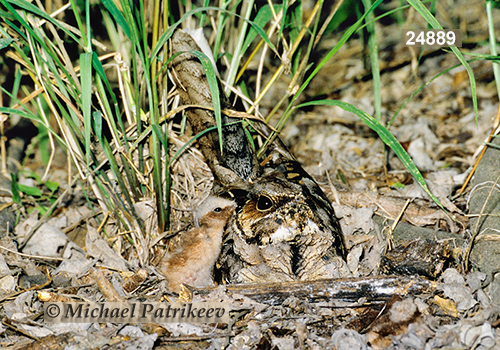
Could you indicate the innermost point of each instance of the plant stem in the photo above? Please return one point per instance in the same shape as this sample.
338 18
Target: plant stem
493 47
235 62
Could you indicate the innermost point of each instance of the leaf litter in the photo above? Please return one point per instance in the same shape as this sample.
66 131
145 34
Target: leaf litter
439 131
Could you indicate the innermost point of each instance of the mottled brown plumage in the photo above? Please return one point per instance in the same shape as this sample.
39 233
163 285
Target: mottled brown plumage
234 161
284 228
281 232
192 259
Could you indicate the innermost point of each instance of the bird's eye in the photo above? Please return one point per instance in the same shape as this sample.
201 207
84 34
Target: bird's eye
264 203
218 210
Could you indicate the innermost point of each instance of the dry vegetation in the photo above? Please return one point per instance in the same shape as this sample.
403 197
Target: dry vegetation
95 158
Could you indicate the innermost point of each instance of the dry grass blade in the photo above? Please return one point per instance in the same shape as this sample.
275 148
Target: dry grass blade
494 131
474 231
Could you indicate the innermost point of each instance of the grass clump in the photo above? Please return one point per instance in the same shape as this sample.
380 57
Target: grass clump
94 76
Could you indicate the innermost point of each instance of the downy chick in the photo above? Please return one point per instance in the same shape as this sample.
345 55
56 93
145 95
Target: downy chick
192 260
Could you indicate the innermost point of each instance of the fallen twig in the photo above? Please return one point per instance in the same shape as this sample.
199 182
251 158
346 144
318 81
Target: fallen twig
346 289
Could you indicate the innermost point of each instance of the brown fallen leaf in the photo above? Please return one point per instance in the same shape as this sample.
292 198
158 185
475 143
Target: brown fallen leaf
136 280
108 291
447 305
420 212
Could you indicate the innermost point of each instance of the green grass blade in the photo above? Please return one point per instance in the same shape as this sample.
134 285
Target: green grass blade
283 18
14 188
424 12
17 84
261 19
424 85
27 6
493 45
237 53
214 89
118 17
330 54
97 123
181 150
24 114
373 48
29 190
384 135
168 33
86 83
6 42
76 12
294 20
334 50
160 134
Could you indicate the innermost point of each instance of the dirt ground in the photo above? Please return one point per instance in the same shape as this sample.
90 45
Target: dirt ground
452 308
